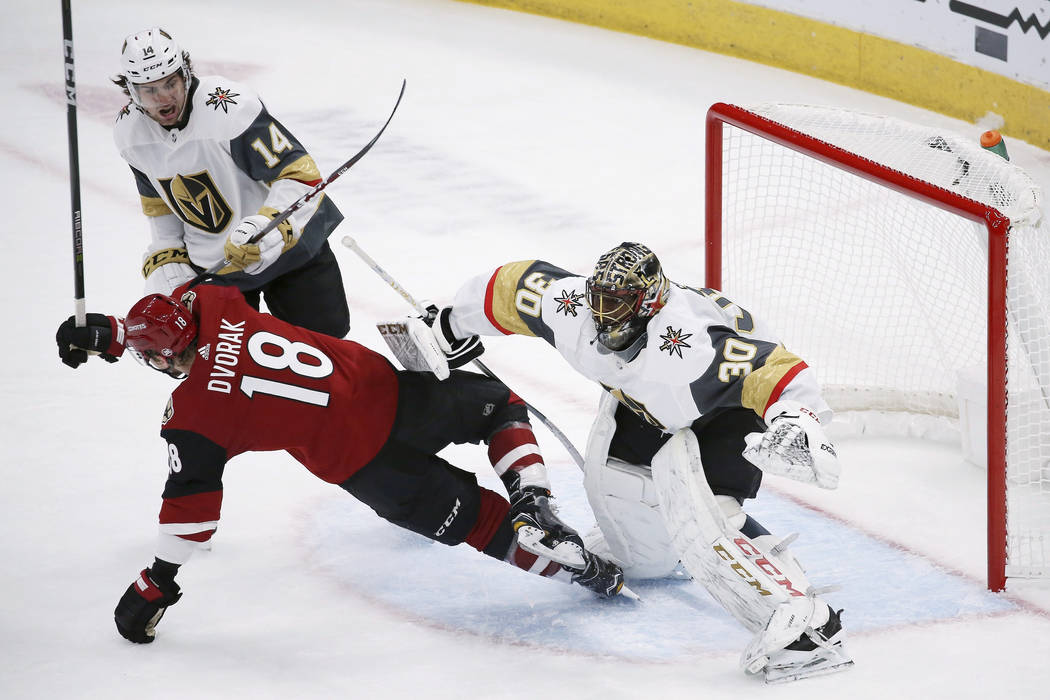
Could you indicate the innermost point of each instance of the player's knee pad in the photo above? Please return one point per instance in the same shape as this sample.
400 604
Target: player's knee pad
625 505
419 492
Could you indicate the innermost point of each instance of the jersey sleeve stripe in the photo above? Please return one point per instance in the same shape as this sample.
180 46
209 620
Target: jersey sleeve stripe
784 381
303 169
490 291
154 206
501 297
763 387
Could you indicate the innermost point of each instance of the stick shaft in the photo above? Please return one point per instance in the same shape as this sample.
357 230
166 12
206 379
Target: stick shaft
352 244
299 203
74 165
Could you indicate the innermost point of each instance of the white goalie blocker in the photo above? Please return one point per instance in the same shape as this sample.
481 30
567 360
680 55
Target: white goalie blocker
413 344
652 519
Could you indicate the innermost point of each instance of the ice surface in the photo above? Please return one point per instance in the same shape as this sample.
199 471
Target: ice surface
519 137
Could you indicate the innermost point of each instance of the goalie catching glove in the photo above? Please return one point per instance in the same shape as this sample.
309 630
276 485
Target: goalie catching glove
255 257
144 602
794 445
457 351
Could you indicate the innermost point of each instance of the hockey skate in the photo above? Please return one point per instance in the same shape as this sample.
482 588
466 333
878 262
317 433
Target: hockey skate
816 652
539 531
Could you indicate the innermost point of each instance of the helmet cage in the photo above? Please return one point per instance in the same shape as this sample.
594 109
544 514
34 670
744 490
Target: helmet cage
611 306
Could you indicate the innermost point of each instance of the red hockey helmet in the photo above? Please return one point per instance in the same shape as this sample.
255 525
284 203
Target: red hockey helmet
159 325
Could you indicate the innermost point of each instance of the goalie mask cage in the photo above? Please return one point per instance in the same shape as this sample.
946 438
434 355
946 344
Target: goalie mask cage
898 260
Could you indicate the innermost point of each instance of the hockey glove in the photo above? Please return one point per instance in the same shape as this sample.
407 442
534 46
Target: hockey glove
143 604
794 445
532 506
103 335
426 352
458 352
253 258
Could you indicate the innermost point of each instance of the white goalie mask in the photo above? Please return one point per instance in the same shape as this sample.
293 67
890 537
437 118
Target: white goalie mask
150 55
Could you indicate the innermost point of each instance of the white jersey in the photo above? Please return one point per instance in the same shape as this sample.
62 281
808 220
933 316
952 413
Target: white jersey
227 159
701 354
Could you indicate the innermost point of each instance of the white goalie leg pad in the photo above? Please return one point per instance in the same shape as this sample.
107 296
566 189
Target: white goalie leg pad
631 530
750 584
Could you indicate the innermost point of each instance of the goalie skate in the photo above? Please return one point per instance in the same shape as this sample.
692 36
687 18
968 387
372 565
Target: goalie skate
815 653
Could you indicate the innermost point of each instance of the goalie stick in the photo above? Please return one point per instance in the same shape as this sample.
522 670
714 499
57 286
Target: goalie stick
299 203
352 244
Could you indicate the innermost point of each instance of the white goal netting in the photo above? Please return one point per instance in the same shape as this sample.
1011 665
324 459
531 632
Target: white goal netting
887 295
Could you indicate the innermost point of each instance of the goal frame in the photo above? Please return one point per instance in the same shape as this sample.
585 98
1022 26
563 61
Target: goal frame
992 220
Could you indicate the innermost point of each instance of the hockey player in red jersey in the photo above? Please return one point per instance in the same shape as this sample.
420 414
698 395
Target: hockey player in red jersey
251 382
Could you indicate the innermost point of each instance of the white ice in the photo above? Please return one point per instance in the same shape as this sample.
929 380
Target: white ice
519 137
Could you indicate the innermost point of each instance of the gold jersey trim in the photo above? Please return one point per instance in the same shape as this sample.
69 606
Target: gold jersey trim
154 206
761 384
303 169
502 296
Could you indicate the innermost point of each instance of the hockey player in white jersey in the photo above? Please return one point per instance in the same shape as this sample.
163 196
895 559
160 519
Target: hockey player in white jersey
213 167
699 395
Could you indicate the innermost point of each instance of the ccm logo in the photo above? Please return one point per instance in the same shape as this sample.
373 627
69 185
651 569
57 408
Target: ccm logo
448 520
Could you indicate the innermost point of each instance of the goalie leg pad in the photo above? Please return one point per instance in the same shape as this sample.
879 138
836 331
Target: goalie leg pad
749 583
625 505
755 580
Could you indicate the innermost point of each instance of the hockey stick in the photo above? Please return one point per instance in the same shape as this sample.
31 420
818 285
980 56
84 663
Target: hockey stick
350 243
299 203
79 302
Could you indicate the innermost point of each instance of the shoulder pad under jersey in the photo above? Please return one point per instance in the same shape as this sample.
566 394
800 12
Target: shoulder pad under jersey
222 108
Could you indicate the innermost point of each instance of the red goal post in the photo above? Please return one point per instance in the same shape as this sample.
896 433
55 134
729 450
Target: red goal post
818 217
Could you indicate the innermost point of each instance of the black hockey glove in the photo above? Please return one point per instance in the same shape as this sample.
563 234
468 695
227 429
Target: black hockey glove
75 342
144 603
532 506
600 576
458 352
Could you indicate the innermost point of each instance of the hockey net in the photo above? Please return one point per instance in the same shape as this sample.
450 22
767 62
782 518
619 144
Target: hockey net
911 269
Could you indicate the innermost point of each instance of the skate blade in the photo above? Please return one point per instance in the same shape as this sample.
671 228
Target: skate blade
567 554
786 675
626 592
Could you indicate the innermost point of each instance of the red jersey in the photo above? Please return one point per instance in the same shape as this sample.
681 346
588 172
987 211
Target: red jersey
259 384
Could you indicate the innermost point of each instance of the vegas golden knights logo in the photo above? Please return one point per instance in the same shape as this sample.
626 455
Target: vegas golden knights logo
197 201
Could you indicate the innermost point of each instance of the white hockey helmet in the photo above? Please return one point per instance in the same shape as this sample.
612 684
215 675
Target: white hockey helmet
149 55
